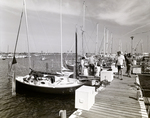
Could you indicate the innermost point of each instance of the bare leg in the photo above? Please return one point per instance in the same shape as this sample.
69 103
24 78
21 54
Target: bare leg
121 74
118 72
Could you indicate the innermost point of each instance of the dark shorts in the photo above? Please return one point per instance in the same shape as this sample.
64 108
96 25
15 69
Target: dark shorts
119 67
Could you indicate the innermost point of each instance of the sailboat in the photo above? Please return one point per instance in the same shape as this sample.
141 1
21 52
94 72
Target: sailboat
42 57
71 63
48 82
4 57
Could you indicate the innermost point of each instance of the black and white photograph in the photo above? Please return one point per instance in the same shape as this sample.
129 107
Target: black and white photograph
74 58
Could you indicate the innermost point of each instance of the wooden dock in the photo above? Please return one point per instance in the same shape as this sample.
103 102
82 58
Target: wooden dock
117 100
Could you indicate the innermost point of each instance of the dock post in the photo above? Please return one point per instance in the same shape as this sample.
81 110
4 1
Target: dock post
13 85
62 113
9 70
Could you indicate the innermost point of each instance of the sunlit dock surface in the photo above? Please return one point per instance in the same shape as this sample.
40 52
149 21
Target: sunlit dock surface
117 100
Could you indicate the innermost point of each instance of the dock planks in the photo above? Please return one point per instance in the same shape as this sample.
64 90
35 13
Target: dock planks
117 100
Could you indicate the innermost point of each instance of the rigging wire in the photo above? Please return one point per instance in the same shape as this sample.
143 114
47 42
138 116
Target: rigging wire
93 24
47 37
141 32
135 30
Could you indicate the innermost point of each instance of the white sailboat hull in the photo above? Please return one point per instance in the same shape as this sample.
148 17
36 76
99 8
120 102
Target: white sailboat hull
61 85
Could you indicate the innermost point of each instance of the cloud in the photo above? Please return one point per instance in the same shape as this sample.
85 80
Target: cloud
11 3
125 12
53 6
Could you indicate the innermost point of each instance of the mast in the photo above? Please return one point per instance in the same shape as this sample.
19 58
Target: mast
111 50
76 53
147 43
107 32
126 48
120 45
83 28
104 40
61 34
27 32
14 59
142 51
96 39
131 44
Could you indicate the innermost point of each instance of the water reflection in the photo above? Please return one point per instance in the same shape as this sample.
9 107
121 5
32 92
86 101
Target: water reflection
27 104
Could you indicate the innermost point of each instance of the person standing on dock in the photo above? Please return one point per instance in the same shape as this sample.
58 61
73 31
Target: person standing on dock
120 63
98 66
125 56
92 64
82 65
129 63
134 60
86 59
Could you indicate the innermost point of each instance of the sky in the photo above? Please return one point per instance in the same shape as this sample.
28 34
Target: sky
121 19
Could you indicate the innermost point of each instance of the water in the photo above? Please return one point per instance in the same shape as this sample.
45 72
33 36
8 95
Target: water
31 105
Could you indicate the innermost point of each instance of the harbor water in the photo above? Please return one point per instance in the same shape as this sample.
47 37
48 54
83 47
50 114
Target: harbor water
31 105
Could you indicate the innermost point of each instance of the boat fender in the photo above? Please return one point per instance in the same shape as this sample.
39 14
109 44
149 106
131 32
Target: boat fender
62 113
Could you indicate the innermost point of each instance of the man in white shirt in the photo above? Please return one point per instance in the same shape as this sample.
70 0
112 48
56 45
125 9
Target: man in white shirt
120 63
82 65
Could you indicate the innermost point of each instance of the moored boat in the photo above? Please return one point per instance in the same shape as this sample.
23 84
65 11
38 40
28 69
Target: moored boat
43 58
64 83
45 83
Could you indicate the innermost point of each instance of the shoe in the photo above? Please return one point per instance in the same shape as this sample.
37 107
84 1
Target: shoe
121 79
130 76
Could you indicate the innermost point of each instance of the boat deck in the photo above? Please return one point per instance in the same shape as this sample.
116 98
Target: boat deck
117 100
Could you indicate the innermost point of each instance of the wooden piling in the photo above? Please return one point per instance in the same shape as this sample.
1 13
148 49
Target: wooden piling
62 113
13 85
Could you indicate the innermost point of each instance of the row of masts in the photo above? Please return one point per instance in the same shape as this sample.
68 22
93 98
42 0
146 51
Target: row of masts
105 37
108 43
108 40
